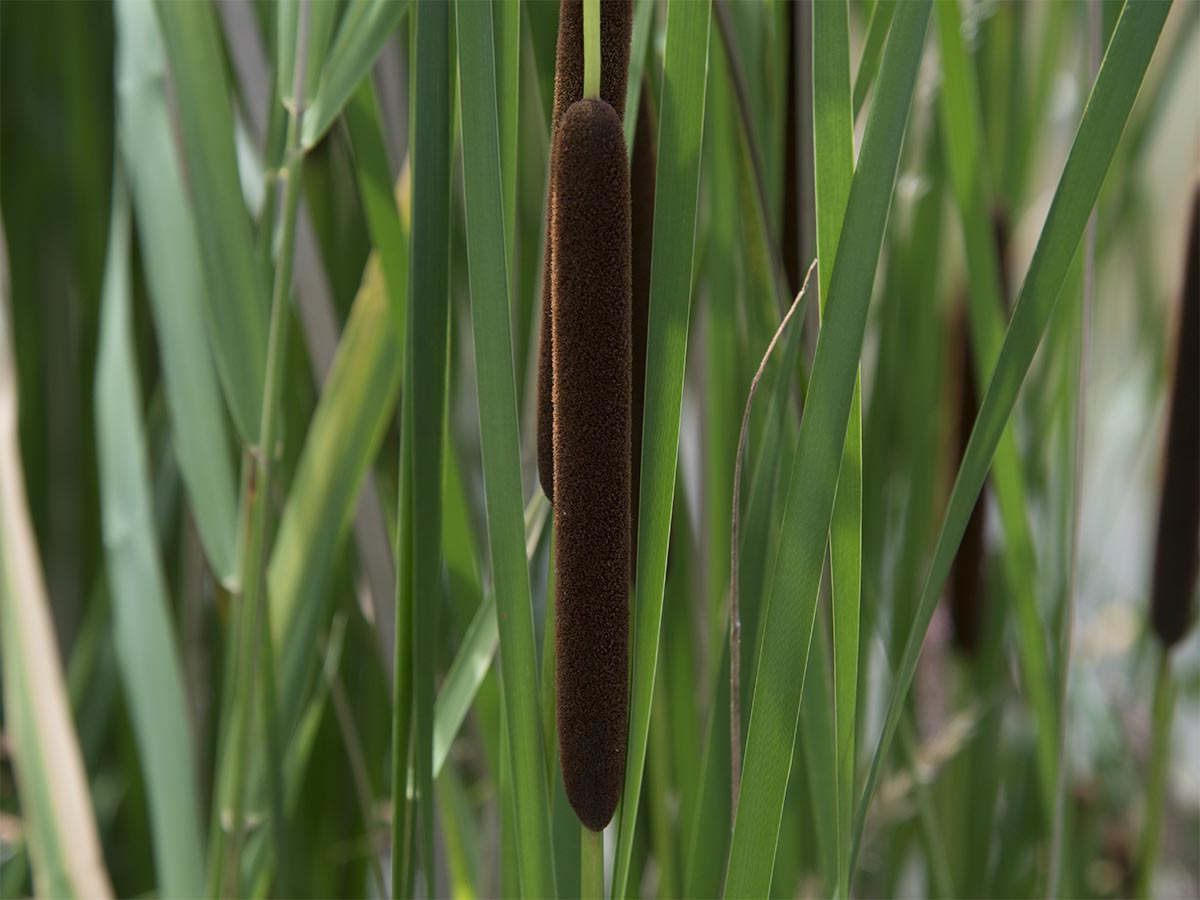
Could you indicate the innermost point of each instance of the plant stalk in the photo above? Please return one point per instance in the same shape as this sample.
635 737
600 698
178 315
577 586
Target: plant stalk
251 636
591 864
591 49
1156 784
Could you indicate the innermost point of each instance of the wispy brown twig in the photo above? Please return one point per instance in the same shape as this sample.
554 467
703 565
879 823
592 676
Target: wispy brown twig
735 619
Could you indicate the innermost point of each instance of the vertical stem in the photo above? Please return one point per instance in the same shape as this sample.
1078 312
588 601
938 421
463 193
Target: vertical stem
257 496
591 49
591 864
1057 836
1156 785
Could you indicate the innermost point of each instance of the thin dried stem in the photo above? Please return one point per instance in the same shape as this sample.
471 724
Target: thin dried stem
735 619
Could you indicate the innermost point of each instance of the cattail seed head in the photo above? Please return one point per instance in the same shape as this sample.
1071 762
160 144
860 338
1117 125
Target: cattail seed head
591 314
1178 544
616 32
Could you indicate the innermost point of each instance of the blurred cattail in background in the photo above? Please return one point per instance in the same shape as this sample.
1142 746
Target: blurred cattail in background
1175 553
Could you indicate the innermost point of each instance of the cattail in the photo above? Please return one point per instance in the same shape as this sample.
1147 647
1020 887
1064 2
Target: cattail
616 31
591 314
966 576
641 186
1175 555
968 610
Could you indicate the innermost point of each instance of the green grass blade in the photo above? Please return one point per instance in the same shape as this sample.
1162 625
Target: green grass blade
489 284
403 825
426 376
348 425
506 25
60 824
681 127
364 30
342 440
475 653
175 278
833 164
643 25
790 612
962 129
385 208
147 655
463 678
1095 142
236 295
877 31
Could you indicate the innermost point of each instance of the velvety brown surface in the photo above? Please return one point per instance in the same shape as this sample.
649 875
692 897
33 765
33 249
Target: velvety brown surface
1175 553
641 185
967 608
592 404
616 32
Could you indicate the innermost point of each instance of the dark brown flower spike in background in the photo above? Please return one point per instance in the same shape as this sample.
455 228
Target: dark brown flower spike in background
1178 545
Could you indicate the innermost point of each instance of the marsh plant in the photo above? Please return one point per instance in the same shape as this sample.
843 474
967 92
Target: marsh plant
665 448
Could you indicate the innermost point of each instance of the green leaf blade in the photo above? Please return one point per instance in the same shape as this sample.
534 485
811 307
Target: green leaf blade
489 286
1095 142
175 278
426 376
681 128
791 609
147 655
237 295
833 162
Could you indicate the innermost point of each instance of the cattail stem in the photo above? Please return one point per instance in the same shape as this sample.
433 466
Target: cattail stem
591 864
1156 785
591 49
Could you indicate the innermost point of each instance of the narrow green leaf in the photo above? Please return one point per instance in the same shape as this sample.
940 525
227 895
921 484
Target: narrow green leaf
488 277
342 440
364 30
962 130
833 164
506 24
1104 118
348 425
426 374
475 653
60 824
808 511
403 824
176 282
877 31
237 296
147 655
643 27
680 132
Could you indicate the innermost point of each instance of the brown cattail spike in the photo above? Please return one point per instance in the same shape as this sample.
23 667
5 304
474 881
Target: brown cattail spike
968 610
966 576
1178 545
592 406
616 31
641 186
